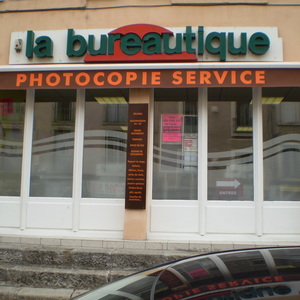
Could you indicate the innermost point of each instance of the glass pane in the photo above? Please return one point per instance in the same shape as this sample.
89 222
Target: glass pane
12 106
105 142
281 121
287 261
188 278
245 265
175 152
230 153
138 286
198 272
53 143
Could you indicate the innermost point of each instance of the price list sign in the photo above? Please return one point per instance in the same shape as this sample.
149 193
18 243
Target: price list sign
136 156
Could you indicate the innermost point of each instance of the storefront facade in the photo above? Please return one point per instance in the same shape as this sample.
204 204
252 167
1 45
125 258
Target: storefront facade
139 125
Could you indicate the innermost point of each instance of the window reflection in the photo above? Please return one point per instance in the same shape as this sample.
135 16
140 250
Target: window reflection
53 143
281 119
188 278
243 265
230 152
12 106
175 150
287 261
105 144
232 275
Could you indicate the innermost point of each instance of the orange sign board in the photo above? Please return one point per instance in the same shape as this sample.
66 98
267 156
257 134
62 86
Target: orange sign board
149 78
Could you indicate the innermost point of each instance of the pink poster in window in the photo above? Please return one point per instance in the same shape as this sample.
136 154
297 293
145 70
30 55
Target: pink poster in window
171 128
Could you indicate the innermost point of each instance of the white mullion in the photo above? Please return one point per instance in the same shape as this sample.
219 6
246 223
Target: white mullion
26 155
258 178
78 156
150 160
202 158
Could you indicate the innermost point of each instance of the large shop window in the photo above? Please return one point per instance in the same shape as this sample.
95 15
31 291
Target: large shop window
281 119
230 140
12 104
230 152
105 139
53 143
175 144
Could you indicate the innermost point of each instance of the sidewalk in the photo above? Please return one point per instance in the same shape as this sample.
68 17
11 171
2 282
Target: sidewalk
203 246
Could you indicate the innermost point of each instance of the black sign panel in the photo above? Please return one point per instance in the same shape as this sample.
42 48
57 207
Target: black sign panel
135 197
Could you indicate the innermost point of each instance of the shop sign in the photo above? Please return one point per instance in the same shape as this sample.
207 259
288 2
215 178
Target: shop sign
136 171
229 187
168 78
134 78
146 43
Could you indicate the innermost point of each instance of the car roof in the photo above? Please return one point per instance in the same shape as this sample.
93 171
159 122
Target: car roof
229 275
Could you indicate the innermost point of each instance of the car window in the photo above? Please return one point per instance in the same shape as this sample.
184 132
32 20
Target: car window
287 261
234 275
187 278
135 287
245 265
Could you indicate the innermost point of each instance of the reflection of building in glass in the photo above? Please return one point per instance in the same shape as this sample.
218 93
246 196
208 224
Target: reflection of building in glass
222 276
53 148
105 144
281 116
12 110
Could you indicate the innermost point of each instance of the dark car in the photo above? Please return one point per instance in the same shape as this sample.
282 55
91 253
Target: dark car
234 275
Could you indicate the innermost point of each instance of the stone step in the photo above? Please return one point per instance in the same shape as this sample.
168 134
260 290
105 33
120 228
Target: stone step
28 293
51 277
98 259
37 271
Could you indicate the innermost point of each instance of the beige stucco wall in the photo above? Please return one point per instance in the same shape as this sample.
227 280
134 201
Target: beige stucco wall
92 14
135 220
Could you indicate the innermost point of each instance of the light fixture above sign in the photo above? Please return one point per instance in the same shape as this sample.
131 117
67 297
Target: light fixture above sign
111 100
